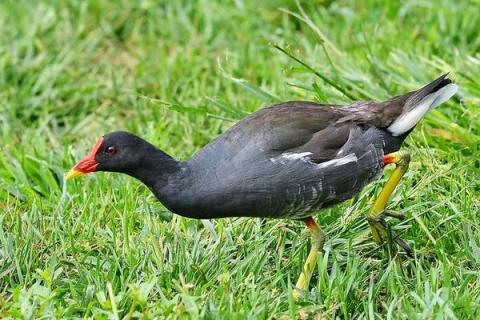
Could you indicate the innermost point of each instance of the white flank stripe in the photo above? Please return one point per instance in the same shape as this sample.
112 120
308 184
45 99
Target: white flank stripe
340 161
289 156
295 156
303 156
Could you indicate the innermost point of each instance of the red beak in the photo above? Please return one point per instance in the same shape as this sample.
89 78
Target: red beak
87 164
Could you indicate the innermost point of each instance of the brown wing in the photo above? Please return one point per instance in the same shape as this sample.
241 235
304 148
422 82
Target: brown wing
305 127
294 126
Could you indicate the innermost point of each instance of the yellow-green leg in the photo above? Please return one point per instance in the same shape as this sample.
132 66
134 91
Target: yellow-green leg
378 212
317 244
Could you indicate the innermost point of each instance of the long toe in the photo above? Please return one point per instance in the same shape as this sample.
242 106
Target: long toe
394 214
405 246
381 234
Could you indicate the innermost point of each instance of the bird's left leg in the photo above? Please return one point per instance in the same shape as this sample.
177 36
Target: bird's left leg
318 238
378 212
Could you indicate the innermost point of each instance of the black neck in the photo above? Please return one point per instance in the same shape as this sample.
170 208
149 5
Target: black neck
157 167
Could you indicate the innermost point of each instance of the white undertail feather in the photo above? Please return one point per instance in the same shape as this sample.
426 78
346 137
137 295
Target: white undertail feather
408 120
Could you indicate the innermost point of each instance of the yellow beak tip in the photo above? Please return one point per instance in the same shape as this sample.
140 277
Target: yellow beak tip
73 174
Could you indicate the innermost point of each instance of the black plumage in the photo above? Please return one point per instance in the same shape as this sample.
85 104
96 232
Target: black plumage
283 161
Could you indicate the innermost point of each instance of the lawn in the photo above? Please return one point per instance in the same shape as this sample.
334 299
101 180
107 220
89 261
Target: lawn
179 73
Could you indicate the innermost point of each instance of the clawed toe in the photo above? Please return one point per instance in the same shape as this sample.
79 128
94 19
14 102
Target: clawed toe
394 214
380 234
405 246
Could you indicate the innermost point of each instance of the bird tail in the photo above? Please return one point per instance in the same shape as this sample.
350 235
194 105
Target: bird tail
419 102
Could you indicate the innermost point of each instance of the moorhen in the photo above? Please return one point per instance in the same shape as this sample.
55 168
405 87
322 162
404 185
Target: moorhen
284 161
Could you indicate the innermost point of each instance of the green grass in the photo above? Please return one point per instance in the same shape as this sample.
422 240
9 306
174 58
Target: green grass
179 73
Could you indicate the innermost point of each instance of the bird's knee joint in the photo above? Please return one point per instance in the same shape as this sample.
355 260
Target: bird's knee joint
400 158
374 219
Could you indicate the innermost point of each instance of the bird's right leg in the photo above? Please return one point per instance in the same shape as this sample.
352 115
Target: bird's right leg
378 212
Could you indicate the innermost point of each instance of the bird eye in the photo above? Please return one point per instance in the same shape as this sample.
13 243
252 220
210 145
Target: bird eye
111 150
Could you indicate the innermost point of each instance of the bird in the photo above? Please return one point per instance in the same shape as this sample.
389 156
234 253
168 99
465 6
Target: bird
286 161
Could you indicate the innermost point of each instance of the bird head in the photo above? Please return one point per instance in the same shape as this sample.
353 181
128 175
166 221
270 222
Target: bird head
118 151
